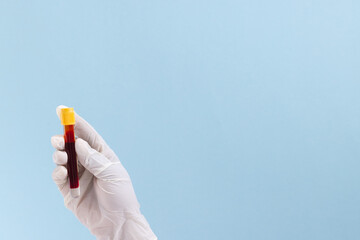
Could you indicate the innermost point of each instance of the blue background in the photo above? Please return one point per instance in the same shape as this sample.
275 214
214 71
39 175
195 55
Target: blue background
235 119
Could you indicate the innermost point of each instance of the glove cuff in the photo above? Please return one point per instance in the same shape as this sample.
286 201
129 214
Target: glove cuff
130 226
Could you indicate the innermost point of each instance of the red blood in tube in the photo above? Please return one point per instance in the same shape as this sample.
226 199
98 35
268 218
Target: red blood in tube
72 166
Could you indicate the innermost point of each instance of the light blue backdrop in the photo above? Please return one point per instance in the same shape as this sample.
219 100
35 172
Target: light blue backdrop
235 119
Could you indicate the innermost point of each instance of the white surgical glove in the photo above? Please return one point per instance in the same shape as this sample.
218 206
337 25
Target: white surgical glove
107 205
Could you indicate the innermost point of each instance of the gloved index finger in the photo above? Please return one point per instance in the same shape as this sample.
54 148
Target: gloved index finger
58 142
85 131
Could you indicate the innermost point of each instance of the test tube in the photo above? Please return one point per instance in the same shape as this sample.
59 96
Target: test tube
67 117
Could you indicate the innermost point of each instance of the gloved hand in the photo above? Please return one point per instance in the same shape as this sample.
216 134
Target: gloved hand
107 205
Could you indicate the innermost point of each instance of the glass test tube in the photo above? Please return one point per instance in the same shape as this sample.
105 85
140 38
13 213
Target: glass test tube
67 117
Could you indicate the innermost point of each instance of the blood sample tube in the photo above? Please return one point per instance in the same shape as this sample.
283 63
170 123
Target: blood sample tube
67 117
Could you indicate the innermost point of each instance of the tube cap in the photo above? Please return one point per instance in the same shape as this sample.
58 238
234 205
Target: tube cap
67 116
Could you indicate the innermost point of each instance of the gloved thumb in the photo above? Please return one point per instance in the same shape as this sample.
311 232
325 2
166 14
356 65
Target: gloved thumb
92 160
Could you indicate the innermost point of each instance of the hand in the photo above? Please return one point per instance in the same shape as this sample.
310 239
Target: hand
107 205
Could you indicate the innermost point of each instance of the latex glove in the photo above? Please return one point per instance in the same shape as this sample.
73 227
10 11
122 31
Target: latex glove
107 205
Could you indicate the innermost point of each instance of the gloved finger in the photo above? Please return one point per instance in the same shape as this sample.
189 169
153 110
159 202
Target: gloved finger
60 177
58 142
85 131
92 160
60 157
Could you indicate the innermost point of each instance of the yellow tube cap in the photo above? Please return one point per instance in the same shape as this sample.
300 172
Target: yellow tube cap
67 116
